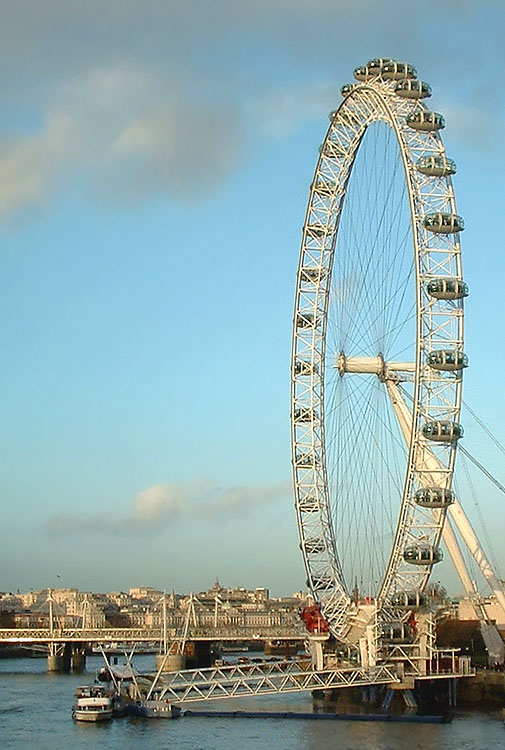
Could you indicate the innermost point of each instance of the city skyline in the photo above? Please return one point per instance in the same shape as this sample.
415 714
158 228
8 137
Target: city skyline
155 166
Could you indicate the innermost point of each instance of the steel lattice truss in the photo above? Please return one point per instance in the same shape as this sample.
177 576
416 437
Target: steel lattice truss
434 395
264 679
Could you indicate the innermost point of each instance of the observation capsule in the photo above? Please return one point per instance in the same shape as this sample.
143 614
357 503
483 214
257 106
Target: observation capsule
324 187
436 166
441 223
306 320
376 64
321 582
442 431
313 274
305 414
306 460
448 360
314 546
316 231
413 88
371 69
350 118
426 120
434 497
396 632
447 288
333 150
408 600
302 367
422 554
363 73
396 71
348 88
309 504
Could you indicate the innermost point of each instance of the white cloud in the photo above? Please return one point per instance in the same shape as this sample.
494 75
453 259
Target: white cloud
162 505
124 132
28 165
155 99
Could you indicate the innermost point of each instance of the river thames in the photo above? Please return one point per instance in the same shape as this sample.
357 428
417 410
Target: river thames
35 712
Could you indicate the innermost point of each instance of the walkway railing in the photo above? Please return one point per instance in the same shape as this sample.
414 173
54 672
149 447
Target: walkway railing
262 679
151 635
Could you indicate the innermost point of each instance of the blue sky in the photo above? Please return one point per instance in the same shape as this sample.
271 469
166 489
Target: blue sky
155 159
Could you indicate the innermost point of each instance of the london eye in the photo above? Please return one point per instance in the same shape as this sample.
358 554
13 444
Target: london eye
377 352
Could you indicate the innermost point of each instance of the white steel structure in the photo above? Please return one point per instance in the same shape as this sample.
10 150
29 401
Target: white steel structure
377 356
269 678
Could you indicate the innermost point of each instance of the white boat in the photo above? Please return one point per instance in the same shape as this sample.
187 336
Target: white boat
92 703
134 694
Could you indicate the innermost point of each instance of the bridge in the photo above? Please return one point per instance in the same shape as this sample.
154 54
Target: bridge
290 676
106 636
266 679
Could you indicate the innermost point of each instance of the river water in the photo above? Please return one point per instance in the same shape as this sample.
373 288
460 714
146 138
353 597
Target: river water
35 712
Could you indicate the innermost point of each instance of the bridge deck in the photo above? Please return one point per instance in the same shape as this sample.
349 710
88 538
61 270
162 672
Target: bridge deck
135 635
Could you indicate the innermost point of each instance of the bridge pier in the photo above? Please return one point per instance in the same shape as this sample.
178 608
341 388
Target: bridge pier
55 663
59 657
198 654
78 660
170 662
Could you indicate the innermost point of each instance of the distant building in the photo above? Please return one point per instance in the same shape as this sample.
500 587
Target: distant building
143 606
494 611
145 592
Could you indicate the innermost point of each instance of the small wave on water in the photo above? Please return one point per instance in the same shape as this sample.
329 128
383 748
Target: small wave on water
14 709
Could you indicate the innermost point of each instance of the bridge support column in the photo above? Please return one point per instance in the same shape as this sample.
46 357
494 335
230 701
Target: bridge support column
170 662
78 660
56 663
59 657
198 654
316 641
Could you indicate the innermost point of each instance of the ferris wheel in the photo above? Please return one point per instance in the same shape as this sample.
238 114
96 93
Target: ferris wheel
377 352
